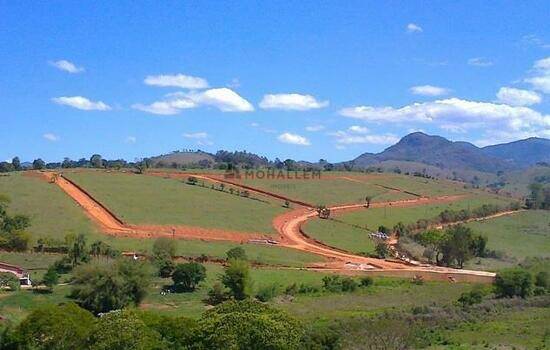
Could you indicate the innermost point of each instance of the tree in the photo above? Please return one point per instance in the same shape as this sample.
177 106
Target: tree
50 278
104 286
513 282
368 199
9 280
164 245
192 180
542 279
12 234
457 245
77 250
236 253
123 329
16 163
96 161
382 250
187 276
237 279
176 332
60 327
38 164
164 264
248 325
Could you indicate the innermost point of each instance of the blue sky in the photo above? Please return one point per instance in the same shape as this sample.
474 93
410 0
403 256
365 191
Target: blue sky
306 80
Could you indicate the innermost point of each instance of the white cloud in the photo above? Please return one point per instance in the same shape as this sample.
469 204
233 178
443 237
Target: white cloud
296 102
176 80
533 40
315 128
414 28
195 135
293 139
169 107
358 129
347 138
82 103
51 137
224 99
480 62
429 90
541 78
456 113
518 97
130 139
67 66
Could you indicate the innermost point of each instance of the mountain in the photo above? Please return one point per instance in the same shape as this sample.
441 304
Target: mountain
439 152
183 158
523 152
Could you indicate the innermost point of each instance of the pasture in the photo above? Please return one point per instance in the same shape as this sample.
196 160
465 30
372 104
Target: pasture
141 199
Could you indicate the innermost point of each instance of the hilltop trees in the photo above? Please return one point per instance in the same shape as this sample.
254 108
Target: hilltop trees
96 161
38 164
16 163
539 197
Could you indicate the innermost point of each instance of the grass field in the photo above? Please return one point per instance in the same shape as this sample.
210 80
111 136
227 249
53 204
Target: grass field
140 199
389 216
522 235
52 212
341 187
385 294
513 329
340 235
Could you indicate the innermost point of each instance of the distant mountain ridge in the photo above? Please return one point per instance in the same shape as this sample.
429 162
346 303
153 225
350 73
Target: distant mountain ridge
442 153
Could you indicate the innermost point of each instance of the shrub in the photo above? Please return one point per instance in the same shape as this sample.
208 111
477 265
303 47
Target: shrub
237 253
513 282
381 250
9 280
187 276
366 281
267 293
542 279
348 284
217 294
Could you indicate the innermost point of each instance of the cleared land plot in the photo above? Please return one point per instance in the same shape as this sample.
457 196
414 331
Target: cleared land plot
340 235
521 235
139 199
52 212
372 218
348 187
319 192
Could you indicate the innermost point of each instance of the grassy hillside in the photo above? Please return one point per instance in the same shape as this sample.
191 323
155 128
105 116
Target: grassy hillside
340 235
521 235
141 199
52 212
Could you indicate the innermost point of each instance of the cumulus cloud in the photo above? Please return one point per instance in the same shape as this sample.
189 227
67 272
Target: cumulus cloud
429 90
456 113
176 80
293 139
51 137
169 107
518 97
67 66
480 62
348 138
225 99
315 128
541 76
358 129
82 103
296 102
414 28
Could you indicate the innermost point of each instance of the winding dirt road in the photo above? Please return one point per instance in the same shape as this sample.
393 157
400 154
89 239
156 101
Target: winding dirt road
288 225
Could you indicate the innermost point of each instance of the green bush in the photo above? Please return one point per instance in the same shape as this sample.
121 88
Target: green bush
513 282
366 281
267 293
